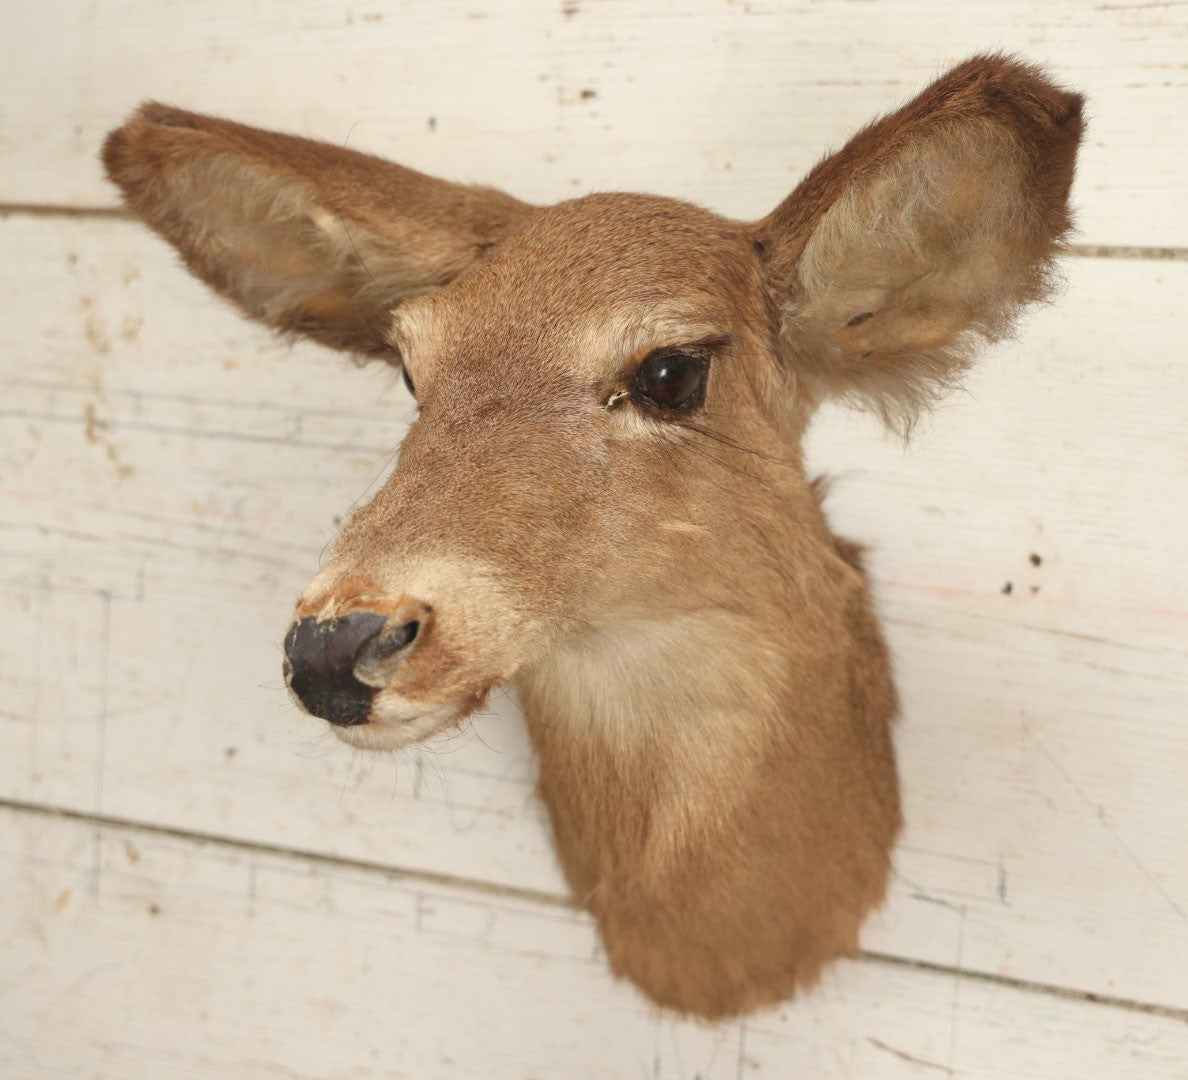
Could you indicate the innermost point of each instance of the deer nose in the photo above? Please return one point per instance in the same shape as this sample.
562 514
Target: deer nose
321 659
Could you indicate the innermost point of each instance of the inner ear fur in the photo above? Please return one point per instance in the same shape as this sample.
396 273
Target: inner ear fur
304 236
919 240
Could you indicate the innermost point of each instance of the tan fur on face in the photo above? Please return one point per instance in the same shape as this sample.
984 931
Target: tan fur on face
701 669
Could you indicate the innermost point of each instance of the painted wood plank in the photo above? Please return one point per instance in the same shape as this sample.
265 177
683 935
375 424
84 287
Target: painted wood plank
174 958
170 475
723 103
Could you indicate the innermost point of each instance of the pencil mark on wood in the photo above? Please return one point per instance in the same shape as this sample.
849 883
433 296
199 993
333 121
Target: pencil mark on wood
936 900
104 684
742 1050
96 861
954 1006
903 1055
1100 814
947 855
483 809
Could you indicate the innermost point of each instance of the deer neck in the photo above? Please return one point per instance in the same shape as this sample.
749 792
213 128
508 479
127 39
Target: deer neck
658 736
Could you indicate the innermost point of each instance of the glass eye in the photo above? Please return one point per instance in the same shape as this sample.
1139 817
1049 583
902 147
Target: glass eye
408 383
673 380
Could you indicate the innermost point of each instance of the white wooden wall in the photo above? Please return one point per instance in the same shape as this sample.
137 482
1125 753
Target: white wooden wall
198 882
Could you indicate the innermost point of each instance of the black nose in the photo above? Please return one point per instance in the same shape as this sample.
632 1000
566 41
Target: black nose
322 658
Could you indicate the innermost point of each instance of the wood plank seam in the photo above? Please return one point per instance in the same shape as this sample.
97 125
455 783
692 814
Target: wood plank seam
410 877
1091 251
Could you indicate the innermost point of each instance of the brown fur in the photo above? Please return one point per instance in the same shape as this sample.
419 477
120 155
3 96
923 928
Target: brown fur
703 675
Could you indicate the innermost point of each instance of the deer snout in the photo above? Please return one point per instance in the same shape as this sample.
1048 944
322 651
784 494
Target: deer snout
335 666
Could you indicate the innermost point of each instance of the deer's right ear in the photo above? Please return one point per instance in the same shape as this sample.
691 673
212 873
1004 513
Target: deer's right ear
304 236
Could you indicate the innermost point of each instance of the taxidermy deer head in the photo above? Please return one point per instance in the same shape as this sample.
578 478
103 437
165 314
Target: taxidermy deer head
603 497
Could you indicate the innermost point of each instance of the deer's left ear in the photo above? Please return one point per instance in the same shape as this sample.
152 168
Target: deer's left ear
923 236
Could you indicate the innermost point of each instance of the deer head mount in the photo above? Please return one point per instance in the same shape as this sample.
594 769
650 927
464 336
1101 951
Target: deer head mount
603 496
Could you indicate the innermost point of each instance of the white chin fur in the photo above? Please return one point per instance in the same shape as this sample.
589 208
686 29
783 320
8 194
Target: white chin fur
391 728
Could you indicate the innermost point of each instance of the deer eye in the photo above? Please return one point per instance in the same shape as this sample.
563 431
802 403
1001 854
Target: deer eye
408 383
672 380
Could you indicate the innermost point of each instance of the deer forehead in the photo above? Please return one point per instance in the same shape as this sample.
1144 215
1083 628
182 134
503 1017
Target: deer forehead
586 287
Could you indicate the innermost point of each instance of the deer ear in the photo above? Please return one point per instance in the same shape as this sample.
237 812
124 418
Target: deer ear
304 236
923 236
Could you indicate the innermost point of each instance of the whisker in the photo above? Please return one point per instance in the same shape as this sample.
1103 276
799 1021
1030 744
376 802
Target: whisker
738 447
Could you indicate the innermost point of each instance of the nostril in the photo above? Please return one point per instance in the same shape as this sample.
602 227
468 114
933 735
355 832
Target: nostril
389 644
382 656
